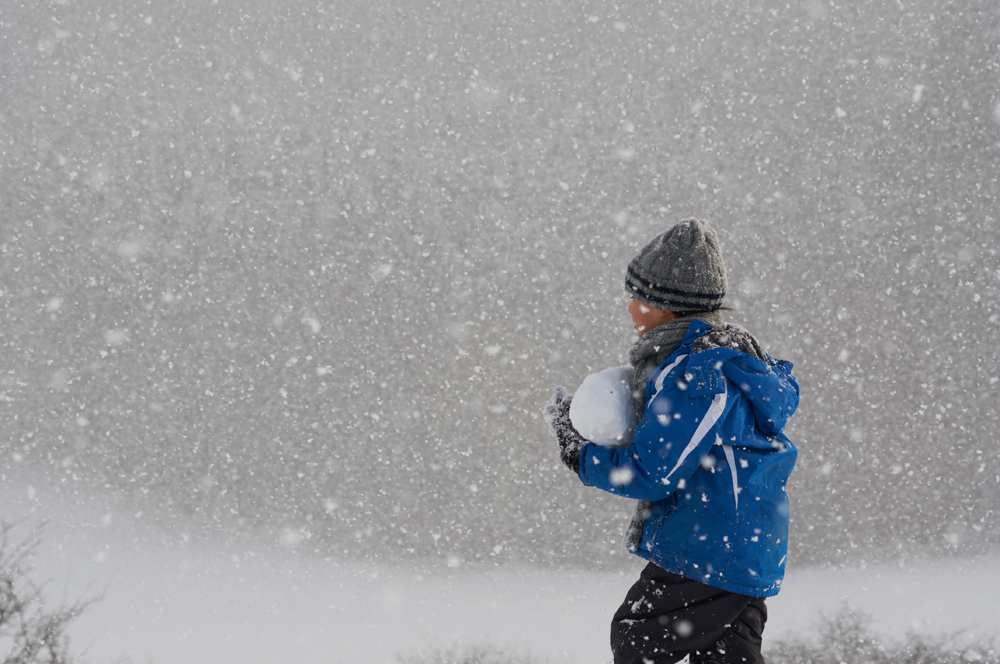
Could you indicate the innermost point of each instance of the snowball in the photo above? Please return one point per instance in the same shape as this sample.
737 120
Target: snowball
602 409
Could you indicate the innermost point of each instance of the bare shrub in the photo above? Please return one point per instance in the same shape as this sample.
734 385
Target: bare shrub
476 654
845 639
30 633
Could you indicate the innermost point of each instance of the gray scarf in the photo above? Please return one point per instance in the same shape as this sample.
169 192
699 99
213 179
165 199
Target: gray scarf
646 354
657 345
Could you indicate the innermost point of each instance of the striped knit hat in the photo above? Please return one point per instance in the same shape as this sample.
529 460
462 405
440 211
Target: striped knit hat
680 270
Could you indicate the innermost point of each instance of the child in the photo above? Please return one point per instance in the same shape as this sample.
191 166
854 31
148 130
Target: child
708 463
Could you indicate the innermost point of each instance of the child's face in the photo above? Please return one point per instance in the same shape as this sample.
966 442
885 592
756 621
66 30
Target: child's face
646 317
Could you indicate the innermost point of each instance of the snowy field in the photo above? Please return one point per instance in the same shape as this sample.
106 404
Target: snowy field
174 602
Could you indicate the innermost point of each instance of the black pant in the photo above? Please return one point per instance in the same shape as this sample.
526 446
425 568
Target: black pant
666 616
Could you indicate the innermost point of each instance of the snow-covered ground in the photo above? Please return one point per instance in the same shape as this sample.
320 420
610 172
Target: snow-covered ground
174 602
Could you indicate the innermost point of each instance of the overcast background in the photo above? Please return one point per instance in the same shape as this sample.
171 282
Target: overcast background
307 271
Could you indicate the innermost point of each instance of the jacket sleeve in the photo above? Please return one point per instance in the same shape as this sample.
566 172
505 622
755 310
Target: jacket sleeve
676 433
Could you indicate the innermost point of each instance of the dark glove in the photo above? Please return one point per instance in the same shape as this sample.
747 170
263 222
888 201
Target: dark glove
556 415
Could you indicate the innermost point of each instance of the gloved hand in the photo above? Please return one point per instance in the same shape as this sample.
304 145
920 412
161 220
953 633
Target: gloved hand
556 415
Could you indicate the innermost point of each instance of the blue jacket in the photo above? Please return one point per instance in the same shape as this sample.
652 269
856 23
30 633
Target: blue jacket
711 458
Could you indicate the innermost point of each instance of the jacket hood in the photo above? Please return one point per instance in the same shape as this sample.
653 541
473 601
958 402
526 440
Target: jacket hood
767 383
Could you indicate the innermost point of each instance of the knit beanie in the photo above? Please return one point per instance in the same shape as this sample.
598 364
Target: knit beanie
680 270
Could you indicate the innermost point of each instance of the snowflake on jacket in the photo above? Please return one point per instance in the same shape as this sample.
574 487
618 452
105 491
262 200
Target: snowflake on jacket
711 459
